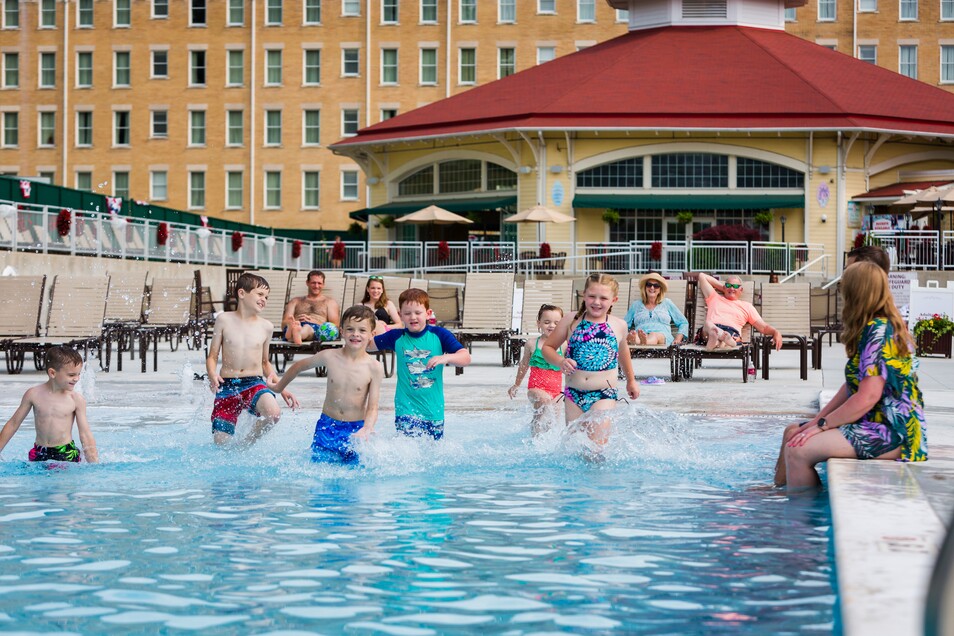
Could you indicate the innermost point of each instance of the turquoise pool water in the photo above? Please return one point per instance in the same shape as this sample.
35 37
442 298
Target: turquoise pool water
484 532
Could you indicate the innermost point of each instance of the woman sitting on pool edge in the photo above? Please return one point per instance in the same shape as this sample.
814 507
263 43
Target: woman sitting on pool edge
878 413
650 317
385 313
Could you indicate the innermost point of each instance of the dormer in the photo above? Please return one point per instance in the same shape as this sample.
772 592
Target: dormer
650 14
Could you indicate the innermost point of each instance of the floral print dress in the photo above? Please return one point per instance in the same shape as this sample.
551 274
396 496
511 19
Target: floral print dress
898 417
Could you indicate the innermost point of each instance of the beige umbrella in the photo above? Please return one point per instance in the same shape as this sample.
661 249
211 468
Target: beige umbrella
539 214
927 195
435 215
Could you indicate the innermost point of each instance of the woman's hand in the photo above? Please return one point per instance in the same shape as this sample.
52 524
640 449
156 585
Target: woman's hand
807 431
569 366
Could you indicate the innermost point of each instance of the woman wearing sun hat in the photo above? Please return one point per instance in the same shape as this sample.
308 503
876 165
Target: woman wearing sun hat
650 318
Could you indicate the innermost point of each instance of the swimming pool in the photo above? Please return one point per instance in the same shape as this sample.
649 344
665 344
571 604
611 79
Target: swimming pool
484 532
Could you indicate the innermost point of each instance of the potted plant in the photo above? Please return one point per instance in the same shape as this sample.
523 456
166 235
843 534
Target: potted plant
684 217
610 216
762 218
933 335
655 251
443 252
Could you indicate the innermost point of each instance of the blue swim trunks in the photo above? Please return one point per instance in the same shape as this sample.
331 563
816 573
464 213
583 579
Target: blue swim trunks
414 426
234 396
325 332
332 442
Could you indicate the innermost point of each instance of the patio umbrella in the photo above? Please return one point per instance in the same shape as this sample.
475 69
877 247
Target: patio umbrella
433 215
539 214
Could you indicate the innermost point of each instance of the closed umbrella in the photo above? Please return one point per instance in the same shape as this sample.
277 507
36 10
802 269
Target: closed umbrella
433 214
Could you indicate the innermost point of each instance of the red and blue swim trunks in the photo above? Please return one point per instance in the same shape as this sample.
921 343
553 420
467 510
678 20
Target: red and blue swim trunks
234 396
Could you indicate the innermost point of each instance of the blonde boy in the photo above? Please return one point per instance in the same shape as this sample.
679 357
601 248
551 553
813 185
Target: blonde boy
350 410
243 337
55 407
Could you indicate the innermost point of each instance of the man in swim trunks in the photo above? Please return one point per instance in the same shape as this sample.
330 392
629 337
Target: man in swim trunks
350 410
55 407
726 315
243 336
304 315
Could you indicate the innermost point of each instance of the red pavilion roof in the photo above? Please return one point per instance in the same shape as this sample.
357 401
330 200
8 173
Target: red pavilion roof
686 78
897 190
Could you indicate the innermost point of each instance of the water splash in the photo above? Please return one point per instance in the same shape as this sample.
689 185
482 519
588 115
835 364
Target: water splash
87 383
186 380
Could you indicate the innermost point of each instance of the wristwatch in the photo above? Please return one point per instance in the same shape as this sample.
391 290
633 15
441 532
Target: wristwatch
822 423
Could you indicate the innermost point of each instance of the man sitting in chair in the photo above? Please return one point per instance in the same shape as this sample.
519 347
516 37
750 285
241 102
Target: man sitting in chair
727 314
311 317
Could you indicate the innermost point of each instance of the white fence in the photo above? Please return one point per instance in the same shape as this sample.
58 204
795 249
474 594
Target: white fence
917 249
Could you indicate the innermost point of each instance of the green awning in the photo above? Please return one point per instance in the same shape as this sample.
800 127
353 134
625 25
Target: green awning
734 201
473 204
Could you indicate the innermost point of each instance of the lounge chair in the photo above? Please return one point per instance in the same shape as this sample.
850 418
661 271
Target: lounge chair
536 293
690 356
488 310
74 319
124 305
20 310
279 283
787 307
677 294
169 316
445 303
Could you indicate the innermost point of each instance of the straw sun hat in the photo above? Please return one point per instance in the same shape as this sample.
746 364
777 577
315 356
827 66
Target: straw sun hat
656 277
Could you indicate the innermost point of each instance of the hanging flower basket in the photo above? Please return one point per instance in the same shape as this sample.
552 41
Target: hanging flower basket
162 234
337 251
655 251
443 252
237 240
63 221
545 250
296 249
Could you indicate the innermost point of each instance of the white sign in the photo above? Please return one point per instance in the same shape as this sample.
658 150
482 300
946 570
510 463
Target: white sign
900 283
881 224
929 300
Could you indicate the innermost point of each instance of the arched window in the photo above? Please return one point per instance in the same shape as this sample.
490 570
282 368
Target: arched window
458 176
752 173
689 170
627 173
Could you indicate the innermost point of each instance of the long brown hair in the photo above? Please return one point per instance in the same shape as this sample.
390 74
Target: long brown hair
867 295
597 279
383 300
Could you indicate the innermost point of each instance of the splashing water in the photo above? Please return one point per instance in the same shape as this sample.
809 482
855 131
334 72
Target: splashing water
87 382
186 380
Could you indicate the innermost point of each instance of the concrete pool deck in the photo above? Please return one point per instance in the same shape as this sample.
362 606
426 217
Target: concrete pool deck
889 518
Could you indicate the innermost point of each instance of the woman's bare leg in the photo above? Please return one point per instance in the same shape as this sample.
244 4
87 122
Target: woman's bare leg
800 461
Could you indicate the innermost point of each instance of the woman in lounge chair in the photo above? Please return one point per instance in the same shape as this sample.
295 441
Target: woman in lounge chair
385 313
650 318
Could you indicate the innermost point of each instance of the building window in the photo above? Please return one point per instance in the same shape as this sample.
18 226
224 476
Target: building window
84 128
867 6
690 170
121 184
868 53
273 127
121 73
196 68
468 11
947 64
11 70
428 11
752 173
500 178
197 127
84 14
429 67
312 12
546 6
627 173
310 189
273 189
349 122
236 127
507 11
159 124
506 62
47 77
196 190
158 185
349 185
46 127
467 68
545 54
234 190
236 13
273 12
121 128
908 10
460 175
419 183
586 10
47 14
11 130
311 128
622 15
350 62
11 14
160 64
198 17
388 113
826 10
312 67
84 69
84 180
389 11
947 9
790 15
123 14
236 62
908 61
389 66
160 9
273 67
351 8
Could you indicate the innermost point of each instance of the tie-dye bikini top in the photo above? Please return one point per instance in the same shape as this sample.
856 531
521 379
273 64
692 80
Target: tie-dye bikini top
593 345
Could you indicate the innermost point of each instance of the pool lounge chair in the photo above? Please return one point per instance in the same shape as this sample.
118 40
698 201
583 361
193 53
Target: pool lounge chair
787 307
536 293
124 305
75 319
169 316
677 294
20 310
279 283
690 356
488 310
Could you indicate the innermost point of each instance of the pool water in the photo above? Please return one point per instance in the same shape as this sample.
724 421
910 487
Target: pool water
484 532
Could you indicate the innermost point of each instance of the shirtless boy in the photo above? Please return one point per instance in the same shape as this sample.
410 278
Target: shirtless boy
243 336
55 407
350 410
305 314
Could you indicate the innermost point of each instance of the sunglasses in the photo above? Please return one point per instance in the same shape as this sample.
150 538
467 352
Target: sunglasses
733 285
654 285
375 277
